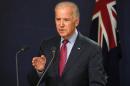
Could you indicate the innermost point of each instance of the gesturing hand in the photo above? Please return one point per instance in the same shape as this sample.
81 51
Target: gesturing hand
39 63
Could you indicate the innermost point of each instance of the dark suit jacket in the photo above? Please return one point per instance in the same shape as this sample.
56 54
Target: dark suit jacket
83 68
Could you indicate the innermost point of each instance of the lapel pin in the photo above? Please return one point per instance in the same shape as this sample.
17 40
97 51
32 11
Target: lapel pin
78 48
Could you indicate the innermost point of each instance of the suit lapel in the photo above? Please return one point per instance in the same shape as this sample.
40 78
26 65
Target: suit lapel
54 66
74 55
57 62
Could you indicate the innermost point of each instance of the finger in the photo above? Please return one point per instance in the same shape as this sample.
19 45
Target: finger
34 61
43 57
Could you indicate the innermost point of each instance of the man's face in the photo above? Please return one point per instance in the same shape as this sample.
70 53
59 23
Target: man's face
66 22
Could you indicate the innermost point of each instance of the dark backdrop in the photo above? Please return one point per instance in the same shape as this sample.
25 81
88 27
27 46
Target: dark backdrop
28 22
124 26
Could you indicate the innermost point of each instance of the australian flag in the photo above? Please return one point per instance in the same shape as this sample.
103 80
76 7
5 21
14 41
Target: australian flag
104 30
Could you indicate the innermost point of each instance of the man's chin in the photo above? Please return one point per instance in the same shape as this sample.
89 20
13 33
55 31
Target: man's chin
62 34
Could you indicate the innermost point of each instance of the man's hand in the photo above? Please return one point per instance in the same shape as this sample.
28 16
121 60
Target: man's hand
39 63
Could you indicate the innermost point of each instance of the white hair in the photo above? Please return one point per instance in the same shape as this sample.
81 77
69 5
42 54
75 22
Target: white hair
69 4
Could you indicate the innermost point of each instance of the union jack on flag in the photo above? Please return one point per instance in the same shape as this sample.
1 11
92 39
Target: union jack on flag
104 31
106 14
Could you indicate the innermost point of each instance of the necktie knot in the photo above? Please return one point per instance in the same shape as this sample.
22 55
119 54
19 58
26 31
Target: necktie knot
65 41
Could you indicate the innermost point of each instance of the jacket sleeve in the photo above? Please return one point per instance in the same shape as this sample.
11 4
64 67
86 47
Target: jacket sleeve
97 76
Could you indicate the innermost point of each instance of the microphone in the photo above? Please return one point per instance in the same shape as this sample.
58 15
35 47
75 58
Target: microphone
23 49
53 49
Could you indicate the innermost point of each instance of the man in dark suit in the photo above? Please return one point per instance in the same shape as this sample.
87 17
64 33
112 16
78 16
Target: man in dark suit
77 60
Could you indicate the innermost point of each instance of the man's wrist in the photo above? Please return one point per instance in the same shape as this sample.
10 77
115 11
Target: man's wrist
39 73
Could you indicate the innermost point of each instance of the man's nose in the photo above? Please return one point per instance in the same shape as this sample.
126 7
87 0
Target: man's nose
61 23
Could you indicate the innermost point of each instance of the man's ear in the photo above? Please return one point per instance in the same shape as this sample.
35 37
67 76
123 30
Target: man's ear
77 22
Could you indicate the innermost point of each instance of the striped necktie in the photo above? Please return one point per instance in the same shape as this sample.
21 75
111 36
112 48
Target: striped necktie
63 57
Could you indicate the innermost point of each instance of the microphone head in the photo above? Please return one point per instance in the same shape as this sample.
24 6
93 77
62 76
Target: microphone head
24 48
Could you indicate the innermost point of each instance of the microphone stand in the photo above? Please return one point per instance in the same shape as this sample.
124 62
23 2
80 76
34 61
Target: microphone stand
53 55
16 60
17 71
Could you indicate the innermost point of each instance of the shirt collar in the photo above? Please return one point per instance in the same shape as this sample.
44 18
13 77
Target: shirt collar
71 38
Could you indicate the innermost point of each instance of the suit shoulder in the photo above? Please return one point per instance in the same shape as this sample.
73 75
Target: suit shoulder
89 42
89 45
51 42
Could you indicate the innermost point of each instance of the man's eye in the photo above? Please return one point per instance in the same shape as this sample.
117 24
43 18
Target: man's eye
67 19
57 19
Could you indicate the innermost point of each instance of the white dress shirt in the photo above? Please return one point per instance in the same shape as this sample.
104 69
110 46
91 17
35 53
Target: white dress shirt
71 42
